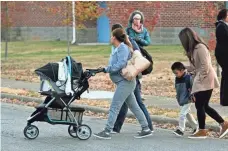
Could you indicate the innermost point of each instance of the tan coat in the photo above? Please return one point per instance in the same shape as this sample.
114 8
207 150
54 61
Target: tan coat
205 75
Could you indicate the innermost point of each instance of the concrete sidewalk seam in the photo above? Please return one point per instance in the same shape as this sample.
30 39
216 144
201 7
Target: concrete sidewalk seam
155 118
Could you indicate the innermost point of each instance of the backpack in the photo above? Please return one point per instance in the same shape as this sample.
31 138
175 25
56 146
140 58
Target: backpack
147 56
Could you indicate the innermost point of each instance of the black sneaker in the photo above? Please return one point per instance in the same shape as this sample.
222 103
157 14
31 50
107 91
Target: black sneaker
178 132
144 133
103 135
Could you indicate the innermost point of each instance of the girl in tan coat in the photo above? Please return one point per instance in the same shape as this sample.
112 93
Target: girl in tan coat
204 82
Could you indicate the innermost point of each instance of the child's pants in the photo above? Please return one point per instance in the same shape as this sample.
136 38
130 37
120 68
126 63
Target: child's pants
185 113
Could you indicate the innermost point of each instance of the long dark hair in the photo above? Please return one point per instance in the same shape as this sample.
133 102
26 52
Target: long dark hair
222 14
189 39
121 36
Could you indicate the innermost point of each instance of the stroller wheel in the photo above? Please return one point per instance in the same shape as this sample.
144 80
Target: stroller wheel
84 132
72 130
31 131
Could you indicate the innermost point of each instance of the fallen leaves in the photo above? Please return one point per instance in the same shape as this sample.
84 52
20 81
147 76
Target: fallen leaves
14 91
98 103
15 101
21 92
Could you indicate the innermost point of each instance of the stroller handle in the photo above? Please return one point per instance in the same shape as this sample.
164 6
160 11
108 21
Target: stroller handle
92 72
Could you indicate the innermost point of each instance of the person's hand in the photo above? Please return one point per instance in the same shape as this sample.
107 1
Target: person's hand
137 39
101 69
193 98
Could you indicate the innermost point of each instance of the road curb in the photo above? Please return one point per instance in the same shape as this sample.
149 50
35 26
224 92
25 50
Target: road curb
155 118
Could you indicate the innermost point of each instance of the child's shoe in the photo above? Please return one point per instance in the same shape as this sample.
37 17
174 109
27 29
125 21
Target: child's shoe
178 132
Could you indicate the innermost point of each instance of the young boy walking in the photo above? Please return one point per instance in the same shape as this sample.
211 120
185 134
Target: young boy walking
183 85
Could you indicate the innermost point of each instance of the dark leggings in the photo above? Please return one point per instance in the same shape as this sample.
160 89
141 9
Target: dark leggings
222 60
224 88
202 106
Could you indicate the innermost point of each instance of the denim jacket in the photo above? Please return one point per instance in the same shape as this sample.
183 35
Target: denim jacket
134 44
183 87
118 60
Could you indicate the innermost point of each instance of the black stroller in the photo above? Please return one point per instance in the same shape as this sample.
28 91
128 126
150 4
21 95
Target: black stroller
56 107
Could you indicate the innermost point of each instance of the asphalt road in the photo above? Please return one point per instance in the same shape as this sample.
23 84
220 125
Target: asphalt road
56 138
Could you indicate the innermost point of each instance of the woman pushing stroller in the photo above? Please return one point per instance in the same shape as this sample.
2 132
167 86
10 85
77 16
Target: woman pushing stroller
124 90
138 37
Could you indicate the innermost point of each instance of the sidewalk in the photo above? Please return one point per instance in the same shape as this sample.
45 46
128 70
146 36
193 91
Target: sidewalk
161 102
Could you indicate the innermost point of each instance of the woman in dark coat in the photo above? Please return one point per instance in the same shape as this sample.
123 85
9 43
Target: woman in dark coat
221 53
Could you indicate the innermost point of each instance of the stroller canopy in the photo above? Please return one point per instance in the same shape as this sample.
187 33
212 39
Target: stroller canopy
50 70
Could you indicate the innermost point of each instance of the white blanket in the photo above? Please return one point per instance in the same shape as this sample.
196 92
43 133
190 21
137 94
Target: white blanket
64 78
61 72
68 88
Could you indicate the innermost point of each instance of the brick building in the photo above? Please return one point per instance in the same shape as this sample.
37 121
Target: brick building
30 22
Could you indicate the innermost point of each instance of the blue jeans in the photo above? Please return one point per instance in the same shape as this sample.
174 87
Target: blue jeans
123 112
124 94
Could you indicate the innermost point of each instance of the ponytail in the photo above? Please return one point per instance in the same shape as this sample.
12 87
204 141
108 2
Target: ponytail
121 36
127 42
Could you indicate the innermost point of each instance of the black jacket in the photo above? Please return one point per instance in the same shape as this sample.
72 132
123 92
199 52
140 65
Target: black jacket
221 50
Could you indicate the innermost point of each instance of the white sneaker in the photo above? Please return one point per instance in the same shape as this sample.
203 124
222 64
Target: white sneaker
113 132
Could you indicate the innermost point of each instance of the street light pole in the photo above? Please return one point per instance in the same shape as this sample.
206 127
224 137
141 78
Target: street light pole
68 41
74 23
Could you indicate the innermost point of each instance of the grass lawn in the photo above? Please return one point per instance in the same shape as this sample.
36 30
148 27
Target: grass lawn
25 57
